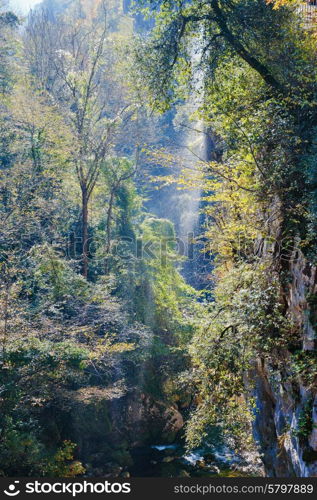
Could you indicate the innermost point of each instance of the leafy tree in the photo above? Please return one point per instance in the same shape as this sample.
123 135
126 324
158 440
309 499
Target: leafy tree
260 105
75 74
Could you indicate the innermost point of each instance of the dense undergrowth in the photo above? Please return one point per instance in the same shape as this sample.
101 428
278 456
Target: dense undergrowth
254 70
94 308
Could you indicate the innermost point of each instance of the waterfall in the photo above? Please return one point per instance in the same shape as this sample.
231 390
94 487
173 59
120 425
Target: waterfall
197 147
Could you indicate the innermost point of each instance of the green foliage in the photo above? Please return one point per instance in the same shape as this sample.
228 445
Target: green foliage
161 292
21 452
32 372
304 365
82 323
46 354
53 286
305 421
94 306
8 46
245 322
256 85
62 463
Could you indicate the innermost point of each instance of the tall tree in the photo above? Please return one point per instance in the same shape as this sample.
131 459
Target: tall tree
80 77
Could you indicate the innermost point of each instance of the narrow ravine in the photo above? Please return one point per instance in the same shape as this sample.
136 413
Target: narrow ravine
158 251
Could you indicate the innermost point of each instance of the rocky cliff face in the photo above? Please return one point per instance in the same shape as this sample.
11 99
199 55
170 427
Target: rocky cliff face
107 431
286 419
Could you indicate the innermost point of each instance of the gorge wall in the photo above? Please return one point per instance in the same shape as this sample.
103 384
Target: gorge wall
286 418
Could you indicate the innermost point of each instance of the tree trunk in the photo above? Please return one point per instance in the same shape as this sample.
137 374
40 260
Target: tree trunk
241 50
6 318
108 231
84 233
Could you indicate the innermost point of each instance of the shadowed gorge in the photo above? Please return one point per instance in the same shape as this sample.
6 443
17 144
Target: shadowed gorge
158 285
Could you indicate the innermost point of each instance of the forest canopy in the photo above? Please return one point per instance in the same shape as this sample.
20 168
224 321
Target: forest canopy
158 238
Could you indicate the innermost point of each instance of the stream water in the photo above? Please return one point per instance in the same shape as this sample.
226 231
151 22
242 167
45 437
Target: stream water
164 460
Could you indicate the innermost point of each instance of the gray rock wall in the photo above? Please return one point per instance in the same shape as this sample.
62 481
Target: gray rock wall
286 418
